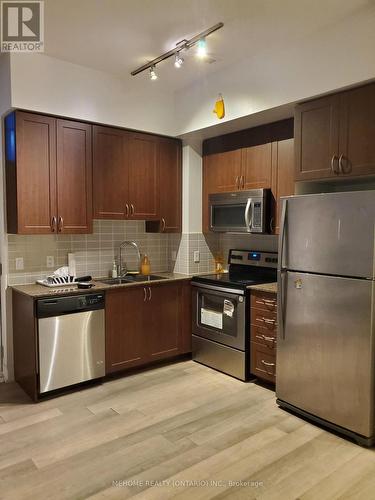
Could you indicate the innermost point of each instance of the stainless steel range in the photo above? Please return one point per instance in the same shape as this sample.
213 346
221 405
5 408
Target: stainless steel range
221 311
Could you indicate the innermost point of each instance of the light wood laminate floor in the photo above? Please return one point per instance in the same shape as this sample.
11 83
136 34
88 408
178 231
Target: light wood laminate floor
181 431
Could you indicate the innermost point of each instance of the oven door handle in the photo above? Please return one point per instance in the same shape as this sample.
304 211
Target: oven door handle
248 217
220 290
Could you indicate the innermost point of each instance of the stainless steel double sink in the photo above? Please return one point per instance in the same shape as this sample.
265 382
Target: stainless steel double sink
137 278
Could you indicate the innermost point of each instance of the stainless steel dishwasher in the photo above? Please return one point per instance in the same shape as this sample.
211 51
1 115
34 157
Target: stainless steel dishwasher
71 340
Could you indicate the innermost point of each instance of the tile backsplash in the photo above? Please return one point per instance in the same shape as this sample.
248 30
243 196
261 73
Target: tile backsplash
94 253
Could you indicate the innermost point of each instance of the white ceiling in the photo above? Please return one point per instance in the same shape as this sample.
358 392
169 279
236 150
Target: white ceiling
116 36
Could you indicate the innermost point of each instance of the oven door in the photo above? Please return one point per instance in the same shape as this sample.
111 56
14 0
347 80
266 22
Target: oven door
219 315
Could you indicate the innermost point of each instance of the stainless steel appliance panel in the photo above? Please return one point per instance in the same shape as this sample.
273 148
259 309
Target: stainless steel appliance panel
325 354
211 322
71 349
329 234
222 358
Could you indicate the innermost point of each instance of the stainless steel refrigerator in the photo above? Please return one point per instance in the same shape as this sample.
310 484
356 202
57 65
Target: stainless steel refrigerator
326 302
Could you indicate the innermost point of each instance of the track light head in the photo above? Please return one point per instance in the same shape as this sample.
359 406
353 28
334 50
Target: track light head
201 48
178 61
153 75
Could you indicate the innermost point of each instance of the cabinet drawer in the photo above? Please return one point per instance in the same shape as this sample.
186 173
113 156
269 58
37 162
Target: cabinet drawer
264 336
266 319
263 300
263 362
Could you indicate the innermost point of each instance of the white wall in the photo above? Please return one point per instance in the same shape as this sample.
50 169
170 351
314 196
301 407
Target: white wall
192 191
49 85
5 104
338 56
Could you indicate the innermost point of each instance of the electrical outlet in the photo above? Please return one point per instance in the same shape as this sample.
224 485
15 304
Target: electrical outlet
196 256
19 263
174 255
50 260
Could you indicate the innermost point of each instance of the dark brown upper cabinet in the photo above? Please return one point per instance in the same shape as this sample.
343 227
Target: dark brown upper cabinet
74 177
170 187
48 175
110 173
334 135
126 175
143 176
256 167
282 178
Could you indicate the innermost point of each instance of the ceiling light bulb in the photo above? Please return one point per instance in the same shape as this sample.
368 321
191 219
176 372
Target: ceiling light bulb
153 74
201 50
178 61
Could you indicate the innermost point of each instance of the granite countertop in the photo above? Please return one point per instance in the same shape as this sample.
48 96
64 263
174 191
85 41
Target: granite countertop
39 291
265 287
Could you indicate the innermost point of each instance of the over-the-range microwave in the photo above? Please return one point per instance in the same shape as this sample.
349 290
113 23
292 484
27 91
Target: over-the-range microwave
240 211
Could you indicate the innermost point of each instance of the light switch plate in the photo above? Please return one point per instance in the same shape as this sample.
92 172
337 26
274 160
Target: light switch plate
196 256
19 263
50 260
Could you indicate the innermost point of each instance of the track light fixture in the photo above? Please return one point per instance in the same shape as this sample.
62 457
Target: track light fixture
199 40
178 61
153 75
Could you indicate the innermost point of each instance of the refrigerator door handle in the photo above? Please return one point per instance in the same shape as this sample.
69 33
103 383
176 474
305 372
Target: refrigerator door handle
247 217
280 303
282 234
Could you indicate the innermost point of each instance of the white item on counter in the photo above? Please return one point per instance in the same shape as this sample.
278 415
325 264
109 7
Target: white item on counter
114 270
72 264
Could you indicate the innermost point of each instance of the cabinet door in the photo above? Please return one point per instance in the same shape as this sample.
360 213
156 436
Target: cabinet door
162 327
143 177
256 167
221 173
125 342
35 188
74 177
357 131
170 186
316 134
282 177
110 175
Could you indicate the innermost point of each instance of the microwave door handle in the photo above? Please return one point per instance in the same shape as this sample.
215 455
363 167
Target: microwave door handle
248 217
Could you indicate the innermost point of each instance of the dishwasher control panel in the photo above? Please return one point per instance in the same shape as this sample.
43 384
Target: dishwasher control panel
57 306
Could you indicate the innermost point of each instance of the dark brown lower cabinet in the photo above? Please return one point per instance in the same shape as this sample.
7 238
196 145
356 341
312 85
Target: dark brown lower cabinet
147 323
263 335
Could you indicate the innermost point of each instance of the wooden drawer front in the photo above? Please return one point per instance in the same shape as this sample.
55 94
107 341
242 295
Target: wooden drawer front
263 362
264 336
264 301
264 318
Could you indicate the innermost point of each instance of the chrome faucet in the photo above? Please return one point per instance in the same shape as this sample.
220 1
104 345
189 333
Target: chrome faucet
123 270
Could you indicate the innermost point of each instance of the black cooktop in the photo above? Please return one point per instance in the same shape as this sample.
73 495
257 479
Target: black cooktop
254 268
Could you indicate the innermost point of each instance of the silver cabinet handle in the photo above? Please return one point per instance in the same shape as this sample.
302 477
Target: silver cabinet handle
132 209
333 163
269 321
267 364
341 168
267 339
341 165
266 302
54 223
247 215
61 224
126 210
144 294
163 225
237 182
149 294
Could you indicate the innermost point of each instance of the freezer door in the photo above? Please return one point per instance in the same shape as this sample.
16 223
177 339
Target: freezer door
325 353
329 234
